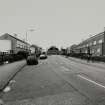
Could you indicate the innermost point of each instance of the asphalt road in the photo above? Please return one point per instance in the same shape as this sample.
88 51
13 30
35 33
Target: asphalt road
58 81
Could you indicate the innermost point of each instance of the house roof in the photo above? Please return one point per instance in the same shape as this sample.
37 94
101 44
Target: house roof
16 38
97 35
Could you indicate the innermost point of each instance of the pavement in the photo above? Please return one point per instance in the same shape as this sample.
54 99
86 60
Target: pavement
90 63
8 71
57 81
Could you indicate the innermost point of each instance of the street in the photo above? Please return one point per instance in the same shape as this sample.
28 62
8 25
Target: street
58 81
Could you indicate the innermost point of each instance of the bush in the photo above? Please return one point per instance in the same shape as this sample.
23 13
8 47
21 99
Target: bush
23 54
10 58
84 56
13 57
17 57
1 60
98 58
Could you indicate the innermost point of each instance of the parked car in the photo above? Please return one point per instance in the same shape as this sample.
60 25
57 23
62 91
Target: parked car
43 56
32 60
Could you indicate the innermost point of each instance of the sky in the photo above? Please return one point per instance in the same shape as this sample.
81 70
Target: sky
54 22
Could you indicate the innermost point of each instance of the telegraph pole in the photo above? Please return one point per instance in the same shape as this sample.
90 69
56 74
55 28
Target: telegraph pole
26 43
30 30
103 44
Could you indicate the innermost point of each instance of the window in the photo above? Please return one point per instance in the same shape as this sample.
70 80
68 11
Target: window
94 42
100 41
90 43
90 51
24 47
20 44
93 51
85 51
98 50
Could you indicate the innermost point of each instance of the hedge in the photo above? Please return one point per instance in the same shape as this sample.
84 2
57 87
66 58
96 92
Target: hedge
93 58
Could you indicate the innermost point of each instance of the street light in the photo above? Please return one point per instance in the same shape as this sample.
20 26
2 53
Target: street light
30 30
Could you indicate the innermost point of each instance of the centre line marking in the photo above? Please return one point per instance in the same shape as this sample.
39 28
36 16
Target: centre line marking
91 81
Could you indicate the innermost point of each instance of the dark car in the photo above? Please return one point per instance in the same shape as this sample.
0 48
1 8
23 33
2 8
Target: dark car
32 60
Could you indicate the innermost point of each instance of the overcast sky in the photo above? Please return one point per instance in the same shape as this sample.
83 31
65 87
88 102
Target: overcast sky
56 22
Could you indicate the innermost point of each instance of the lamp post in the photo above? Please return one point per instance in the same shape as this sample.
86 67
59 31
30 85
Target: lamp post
104 43
30 30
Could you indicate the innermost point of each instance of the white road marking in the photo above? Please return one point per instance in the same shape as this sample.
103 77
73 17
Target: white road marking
91 81
7 89
12 81
64 68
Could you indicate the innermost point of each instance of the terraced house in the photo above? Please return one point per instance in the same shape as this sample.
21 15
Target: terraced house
95 45
16 43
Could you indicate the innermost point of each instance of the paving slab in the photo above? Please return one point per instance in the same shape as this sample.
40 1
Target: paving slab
8 71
